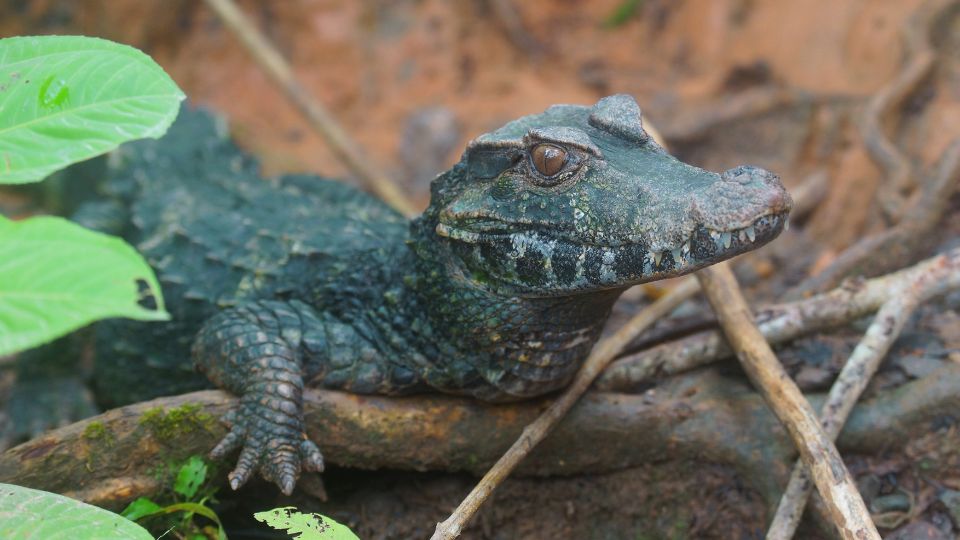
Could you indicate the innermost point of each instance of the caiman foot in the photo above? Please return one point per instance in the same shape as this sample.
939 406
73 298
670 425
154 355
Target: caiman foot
254 351
271 435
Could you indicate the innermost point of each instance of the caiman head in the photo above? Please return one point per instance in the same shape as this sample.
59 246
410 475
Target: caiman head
579 199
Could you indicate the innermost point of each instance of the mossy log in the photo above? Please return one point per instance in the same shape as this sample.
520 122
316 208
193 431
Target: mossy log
115 457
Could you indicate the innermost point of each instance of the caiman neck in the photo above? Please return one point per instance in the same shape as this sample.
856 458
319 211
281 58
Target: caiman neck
520 346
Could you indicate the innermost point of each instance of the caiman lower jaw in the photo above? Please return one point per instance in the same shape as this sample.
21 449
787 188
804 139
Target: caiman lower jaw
534 262
707 246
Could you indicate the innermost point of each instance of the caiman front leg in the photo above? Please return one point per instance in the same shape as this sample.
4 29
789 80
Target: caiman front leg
257 351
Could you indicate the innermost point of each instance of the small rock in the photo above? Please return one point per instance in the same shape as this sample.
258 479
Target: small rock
895 502
951 499
869 487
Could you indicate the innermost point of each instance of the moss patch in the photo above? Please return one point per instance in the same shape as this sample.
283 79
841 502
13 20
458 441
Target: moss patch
167 425
97 432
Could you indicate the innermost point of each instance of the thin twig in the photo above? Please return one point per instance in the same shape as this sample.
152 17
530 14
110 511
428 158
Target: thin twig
343 147
901 244
844 504
778 324
920 61
853 380
601 355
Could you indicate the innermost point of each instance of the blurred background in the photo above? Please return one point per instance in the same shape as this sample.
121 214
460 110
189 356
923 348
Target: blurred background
789 86
777 84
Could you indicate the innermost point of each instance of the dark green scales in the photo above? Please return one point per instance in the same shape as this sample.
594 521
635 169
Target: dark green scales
497 291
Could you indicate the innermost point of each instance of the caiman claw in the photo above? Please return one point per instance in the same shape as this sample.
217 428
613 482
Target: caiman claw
272 440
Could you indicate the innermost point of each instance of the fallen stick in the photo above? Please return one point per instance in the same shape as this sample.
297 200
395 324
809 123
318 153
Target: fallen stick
340 143
853 379
602 354
778 324
846 508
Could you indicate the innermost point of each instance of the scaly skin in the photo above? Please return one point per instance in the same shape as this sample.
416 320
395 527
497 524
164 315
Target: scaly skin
498 291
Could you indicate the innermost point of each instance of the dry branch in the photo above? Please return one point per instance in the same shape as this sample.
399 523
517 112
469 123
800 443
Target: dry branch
778 324
343 147
602 354
834 483
852 381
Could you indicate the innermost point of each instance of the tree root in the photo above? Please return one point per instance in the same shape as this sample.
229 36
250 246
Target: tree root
779 324
901 244
113 458
901 177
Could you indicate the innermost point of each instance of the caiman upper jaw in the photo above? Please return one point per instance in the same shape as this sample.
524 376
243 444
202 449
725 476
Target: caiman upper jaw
741 196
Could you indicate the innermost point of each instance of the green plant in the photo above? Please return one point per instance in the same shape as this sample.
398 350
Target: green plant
64 99
624 11
31 513
303 526
189 501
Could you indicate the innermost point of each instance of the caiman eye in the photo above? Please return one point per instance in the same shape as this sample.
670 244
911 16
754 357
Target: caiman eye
549 159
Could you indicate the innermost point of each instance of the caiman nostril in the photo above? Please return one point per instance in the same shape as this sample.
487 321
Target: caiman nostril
747 174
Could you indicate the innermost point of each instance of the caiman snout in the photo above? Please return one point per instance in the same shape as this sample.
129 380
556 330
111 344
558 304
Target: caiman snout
761 185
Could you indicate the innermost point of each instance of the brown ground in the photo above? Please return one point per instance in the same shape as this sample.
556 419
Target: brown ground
413 80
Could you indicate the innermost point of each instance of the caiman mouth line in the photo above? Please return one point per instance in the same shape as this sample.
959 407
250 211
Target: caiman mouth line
723 240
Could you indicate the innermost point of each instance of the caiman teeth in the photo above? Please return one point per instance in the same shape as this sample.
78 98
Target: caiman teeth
786 224
657 255
675 253
457 234
726 238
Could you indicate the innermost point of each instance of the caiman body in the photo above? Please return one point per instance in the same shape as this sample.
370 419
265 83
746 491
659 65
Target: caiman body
497 291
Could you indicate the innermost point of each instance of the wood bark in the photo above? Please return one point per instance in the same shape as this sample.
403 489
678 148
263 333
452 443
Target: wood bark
697 416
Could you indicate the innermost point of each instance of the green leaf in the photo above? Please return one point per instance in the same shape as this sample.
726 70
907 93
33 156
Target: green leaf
623 12
139 508
190 477
64 99
195 508
304 526
148 508
56 276
30 514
